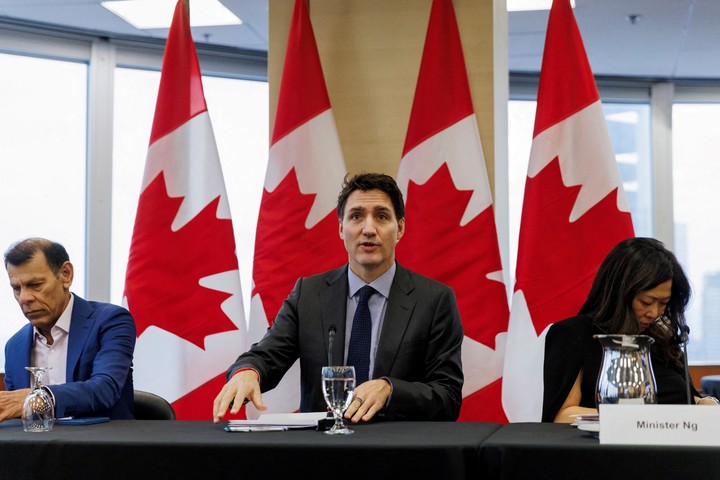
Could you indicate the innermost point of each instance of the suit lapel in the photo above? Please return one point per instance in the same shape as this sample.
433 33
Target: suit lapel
80 326
332 301
397 317
21 375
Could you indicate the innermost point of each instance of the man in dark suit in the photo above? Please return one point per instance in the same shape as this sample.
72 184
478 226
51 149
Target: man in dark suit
89 345
415 370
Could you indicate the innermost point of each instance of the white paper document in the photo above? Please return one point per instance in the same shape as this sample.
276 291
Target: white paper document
273 422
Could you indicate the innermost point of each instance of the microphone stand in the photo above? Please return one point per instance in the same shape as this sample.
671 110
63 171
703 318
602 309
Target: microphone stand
327 422
685 331
331 345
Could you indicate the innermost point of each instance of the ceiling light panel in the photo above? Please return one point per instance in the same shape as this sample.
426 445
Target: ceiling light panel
146 14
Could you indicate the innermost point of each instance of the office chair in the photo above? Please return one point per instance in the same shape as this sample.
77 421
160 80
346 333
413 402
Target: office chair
149 406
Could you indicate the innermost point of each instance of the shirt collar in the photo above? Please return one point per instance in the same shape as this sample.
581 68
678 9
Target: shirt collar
381 284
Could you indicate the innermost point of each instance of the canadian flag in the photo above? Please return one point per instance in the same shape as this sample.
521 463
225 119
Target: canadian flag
297 231
574 210
450 234
182 284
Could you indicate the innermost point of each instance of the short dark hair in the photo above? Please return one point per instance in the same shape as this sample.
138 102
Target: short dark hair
371 181
633 266
22 251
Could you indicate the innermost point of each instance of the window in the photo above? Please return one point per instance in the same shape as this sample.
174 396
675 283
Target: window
42 164
696 199
44 114
629 128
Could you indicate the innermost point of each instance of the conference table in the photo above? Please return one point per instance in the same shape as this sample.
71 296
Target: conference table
157 449
558 452
391 450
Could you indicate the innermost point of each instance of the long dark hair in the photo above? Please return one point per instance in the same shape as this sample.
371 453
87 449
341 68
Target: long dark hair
633 266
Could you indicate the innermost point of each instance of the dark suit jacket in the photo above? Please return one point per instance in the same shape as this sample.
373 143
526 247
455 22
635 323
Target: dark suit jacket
419 347
101 343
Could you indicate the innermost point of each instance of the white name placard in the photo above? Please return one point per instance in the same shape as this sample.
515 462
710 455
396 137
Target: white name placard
696 425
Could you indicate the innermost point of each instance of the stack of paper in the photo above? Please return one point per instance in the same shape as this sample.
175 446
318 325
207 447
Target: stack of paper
588 423
277 422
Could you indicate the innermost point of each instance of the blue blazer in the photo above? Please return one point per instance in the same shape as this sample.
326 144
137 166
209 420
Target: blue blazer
99 362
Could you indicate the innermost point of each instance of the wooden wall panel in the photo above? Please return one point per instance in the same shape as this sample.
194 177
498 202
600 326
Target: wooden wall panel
371 51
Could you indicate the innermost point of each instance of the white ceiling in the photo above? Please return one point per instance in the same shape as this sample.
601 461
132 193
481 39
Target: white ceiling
670 39
90 15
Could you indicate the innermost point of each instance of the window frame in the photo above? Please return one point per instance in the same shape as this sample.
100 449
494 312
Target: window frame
661 94
103 53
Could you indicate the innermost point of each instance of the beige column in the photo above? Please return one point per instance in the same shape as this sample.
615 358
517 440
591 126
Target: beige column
370 52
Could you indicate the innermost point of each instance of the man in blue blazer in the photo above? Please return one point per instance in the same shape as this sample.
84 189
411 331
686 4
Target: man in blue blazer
89 345
415 361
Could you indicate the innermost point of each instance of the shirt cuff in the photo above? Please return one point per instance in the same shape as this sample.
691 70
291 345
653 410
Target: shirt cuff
245 369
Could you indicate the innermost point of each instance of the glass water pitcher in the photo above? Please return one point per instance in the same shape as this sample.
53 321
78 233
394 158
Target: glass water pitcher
626 375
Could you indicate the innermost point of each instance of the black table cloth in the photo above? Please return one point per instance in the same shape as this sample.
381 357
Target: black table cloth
560 451
137 449
201 450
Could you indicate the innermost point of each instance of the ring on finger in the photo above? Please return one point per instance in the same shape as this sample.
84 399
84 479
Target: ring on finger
359 400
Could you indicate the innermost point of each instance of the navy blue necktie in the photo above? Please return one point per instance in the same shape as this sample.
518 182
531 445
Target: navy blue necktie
359 350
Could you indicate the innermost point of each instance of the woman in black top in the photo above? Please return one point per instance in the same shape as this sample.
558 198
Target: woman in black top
640 288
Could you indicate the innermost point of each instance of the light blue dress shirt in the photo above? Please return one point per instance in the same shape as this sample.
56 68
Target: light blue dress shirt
377 304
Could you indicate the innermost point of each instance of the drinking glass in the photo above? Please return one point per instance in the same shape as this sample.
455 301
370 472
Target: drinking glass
38 413
338 389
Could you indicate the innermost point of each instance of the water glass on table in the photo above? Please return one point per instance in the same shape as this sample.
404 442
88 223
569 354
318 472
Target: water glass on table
338 389
38 413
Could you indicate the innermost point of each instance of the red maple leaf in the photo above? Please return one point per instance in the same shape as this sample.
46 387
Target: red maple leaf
484 405
198 403
285 250
165 267
557 259
436 246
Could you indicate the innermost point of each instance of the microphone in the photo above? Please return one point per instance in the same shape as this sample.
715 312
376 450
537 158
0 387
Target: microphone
331 344
329 421
684 333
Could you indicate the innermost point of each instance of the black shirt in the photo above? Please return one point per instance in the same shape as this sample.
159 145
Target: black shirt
570 347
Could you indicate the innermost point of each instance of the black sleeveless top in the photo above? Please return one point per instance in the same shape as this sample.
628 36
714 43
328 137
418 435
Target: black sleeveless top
570 347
